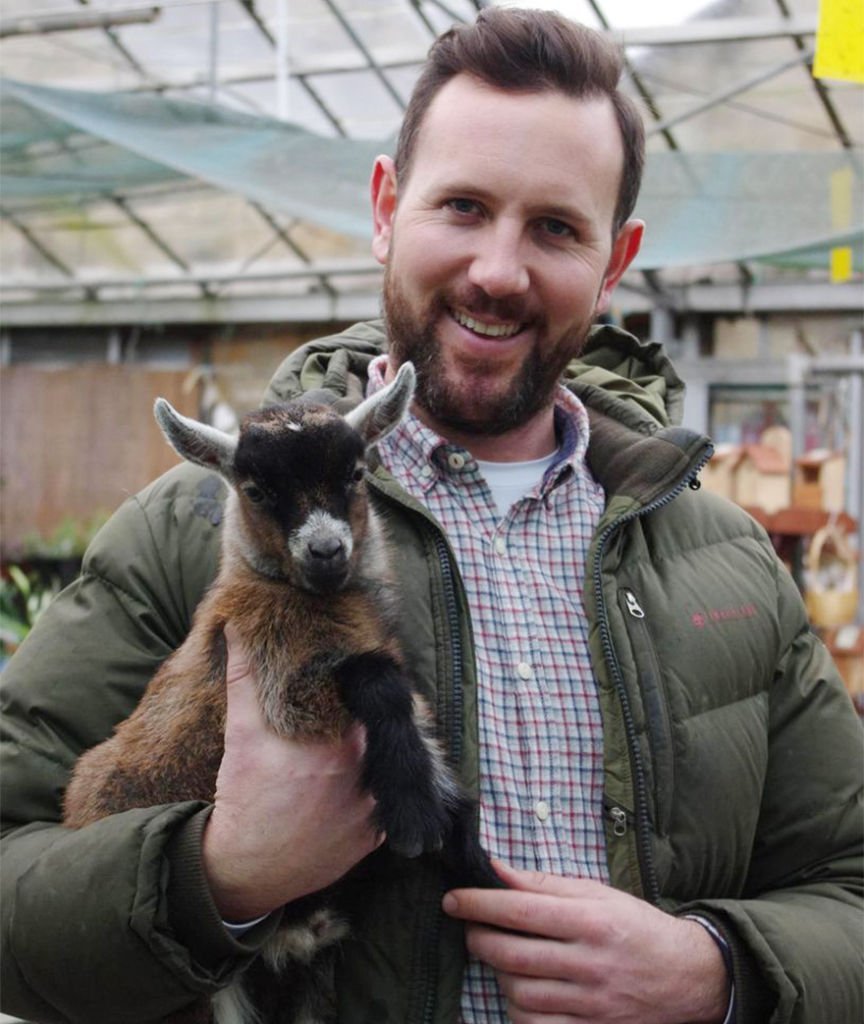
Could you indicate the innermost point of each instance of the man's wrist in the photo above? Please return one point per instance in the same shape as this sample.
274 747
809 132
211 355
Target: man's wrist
726 953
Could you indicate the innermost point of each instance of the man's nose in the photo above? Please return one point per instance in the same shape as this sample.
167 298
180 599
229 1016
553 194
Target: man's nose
499 265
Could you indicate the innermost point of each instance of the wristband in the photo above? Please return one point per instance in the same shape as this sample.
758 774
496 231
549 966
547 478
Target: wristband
721 943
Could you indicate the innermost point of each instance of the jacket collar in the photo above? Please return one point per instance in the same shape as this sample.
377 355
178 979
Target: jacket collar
633 394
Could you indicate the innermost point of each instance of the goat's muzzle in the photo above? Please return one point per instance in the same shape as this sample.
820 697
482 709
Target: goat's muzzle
322 552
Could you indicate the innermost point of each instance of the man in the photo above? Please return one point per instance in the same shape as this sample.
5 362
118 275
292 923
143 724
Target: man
667 764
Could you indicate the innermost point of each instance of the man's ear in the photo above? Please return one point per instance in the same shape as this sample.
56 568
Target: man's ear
624 251
383 189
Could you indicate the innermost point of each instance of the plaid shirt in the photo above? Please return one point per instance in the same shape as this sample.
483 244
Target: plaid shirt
541 737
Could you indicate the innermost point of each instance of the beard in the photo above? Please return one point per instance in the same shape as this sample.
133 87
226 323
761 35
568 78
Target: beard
480 402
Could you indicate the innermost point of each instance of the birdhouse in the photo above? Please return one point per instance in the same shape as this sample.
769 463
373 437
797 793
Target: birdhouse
762 479
717 475
780 439
820 478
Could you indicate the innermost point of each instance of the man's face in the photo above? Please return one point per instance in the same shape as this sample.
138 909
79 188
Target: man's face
498 248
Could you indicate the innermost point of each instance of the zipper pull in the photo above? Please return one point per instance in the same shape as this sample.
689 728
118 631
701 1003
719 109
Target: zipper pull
619 821
633 605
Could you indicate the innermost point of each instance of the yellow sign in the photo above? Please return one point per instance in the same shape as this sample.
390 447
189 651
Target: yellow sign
840 40
841 265
841 185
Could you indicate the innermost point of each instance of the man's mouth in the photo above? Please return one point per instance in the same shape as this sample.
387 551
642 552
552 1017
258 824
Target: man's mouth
499 330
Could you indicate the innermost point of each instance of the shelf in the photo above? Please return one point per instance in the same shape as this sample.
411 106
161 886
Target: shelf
801 522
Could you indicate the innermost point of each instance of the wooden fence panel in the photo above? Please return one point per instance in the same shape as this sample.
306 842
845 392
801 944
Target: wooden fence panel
77 441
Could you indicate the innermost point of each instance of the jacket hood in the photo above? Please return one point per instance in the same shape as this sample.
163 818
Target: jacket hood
628 380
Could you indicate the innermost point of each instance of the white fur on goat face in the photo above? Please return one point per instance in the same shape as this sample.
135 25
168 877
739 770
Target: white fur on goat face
319 528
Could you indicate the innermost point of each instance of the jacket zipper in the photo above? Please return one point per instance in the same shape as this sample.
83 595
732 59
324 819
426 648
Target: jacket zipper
424 969
640 816
659 730
453 733
621 819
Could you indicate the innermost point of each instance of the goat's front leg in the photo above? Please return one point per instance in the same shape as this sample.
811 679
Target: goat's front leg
403 767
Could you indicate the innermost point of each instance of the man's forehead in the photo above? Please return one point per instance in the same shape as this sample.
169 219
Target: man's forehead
473 108
473 130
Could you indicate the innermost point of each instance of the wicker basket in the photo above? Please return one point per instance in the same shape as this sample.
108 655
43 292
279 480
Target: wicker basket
831 593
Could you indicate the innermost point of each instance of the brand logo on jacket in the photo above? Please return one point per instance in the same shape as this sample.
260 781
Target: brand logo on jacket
719 615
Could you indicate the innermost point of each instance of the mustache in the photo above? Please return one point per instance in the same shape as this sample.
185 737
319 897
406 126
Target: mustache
475 301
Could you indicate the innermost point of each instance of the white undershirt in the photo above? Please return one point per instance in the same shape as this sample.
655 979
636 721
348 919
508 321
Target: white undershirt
510 481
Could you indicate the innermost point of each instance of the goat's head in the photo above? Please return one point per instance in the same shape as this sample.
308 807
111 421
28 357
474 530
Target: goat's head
297 474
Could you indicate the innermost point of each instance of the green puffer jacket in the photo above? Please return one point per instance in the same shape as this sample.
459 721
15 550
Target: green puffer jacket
732 765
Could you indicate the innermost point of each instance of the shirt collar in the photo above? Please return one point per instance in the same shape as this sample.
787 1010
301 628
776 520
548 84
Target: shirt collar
425 456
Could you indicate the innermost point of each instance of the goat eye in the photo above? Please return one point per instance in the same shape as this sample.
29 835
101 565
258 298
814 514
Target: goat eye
358 474
254 493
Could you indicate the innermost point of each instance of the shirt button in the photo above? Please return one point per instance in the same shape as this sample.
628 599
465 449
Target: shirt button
524 669
426 472
456 460
500 546
542 810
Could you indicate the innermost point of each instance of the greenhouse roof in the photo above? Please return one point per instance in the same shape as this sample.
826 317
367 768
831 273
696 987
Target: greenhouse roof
209 159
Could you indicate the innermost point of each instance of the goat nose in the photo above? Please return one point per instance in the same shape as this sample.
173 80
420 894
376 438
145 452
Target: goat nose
326 548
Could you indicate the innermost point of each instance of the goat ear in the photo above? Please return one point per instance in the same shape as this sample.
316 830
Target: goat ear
196 442
381 412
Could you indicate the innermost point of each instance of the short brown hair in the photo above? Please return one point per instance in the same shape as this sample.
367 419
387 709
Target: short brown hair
531 51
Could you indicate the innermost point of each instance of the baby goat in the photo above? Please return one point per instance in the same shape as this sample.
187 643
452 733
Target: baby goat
304 579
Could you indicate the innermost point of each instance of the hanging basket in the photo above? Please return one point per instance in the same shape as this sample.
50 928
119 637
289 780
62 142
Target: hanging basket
831 593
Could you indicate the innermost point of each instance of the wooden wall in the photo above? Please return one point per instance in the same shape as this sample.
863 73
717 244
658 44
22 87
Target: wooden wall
77 441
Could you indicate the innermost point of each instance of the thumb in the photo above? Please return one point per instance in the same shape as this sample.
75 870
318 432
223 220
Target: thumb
240 683
237 666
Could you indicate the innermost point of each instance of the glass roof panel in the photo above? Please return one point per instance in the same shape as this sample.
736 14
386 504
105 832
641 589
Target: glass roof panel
362 104
82 59
184 32
341 93
101 241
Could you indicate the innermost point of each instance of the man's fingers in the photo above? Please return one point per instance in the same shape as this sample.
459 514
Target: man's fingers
527 912
552 885
535 903
519 955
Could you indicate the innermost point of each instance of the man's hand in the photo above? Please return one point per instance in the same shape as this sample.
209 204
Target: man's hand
290 818
573 950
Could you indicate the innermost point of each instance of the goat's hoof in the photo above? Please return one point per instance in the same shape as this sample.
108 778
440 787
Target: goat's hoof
412 831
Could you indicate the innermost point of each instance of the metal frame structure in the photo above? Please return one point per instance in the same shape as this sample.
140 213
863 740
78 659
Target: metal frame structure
329 290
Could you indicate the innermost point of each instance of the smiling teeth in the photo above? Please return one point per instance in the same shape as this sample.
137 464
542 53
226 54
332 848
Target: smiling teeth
487 330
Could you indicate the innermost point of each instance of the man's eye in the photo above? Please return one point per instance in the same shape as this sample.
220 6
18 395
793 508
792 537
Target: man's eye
254 493
557 228
463 206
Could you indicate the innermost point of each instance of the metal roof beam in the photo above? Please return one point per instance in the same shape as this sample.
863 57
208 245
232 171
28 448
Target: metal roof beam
313 272
312 308
717 30
38 245
768 297
70 21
